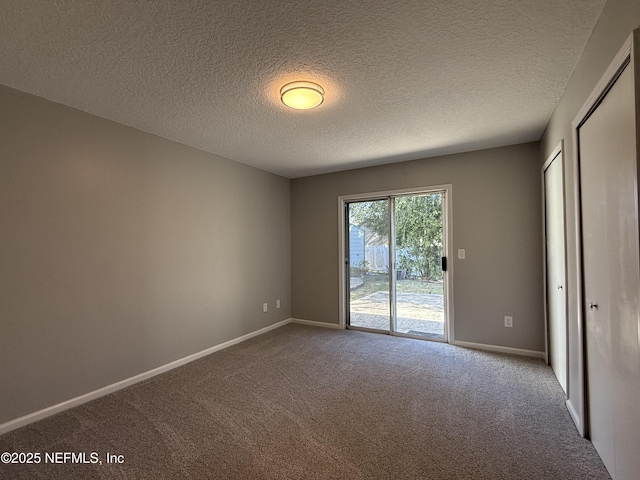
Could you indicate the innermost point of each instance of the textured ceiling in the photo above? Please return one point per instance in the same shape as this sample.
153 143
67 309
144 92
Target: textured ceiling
404 80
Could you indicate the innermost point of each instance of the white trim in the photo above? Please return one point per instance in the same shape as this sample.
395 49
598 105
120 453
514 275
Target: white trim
447 247
573 413
582 387
342 273
380 195
606 81
114 387
313 323
500 349
393 272
556 151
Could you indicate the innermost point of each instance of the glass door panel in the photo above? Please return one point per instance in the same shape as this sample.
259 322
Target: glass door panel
368 264
419 289
394 258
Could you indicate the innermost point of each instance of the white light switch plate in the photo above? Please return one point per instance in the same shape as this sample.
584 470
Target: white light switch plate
462 254
265 307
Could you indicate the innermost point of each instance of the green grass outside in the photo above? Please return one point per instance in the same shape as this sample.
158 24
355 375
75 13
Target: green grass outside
377 283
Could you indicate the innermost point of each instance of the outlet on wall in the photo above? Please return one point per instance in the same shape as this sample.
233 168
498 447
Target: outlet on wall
278 303
508 321
265 307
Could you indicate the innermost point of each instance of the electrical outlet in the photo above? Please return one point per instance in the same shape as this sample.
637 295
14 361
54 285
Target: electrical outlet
265 307
278 303
508 321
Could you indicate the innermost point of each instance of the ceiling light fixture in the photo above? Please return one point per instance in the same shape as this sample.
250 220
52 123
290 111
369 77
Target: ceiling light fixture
302 95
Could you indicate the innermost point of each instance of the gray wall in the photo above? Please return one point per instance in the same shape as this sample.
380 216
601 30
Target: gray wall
121 252
497 218
616 23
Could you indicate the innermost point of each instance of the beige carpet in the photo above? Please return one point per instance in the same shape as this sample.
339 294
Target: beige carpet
306 403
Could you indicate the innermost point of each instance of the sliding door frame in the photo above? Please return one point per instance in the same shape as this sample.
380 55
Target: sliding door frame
447 225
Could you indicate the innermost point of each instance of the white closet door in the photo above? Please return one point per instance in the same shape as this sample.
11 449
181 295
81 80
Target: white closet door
556 273
607 149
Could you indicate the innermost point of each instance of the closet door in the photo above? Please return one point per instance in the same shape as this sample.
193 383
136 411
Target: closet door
556 267
606 143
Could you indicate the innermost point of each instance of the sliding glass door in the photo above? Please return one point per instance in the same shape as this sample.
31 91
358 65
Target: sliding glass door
395 256
368 245
419 292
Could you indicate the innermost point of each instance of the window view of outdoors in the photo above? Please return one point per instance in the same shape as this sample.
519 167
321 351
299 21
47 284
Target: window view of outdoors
369 264
419 277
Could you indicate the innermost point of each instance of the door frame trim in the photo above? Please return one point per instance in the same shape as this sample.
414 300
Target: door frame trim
557 153
625 56
447 247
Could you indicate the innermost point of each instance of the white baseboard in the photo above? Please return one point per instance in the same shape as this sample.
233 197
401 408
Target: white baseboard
114 387
574 415
497 348
314 323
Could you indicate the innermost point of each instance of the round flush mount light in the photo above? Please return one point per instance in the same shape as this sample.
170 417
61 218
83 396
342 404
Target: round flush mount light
302 95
